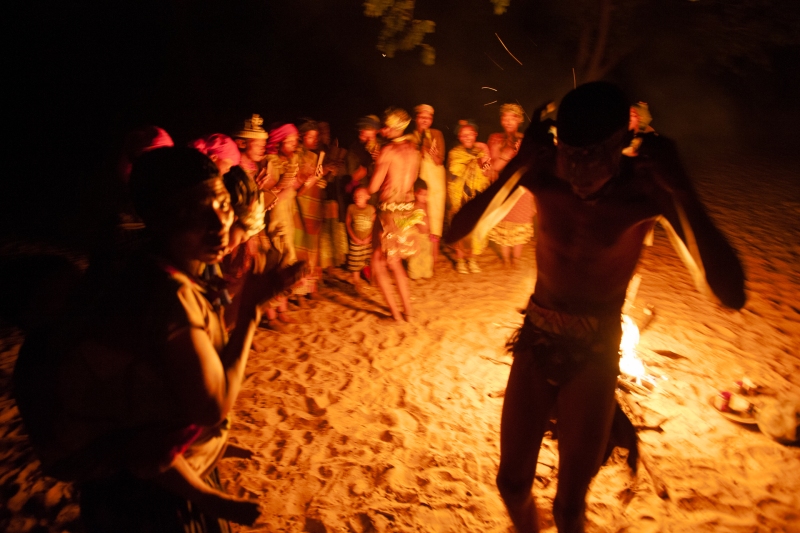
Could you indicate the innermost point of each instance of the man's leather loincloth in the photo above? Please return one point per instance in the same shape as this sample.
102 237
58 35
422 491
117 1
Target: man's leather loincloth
562 343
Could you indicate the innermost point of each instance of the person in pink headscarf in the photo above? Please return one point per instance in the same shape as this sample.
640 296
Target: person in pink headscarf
139 141
221 149
224 152
281 179
122 231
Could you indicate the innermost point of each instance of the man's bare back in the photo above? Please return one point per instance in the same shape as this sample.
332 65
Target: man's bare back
396 170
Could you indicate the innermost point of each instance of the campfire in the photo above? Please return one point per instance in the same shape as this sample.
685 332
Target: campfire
633 372
629 363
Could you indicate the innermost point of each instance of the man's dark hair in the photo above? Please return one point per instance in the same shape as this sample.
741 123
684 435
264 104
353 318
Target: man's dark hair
160 176
592 113
242 188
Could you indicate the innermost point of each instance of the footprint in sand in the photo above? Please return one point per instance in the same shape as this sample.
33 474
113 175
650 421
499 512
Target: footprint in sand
392 341
357 337
313 408
388 419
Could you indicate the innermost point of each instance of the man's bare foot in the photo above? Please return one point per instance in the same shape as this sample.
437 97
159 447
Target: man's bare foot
522 510
391 319
286 318
273 325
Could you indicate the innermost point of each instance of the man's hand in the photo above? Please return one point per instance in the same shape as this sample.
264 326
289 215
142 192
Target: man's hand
659 157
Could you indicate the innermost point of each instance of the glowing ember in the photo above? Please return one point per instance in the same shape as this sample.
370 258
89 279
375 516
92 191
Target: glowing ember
507 50
629 363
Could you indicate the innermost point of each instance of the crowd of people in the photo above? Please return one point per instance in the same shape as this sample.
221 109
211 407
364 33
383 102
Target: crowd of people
129 393
323 203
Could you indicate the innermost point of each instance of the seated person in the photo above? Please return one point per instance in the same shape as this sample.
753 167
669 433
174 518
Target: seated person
129 394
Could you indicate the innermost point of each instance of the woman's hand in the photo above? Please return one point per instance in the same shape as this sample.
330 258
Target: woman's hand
433 150
262 287
272 204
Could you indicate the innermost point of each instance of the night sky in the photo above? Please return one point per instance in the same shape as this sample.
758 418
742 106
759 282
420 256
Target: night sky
83 74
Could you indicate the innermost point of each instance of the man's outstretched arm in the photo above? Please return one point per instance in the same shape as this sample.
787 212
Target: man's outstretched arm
710 258
534 151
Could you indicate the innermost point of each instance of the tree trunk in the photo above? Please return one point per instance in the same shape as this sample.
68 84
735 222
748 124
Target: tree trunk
592 61
597 64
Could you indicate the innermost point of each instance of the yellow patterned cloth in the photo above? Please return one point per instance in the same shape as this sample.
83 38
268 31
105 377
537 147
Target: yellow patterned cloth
280 227
309 211
465 180
511 233
420 265
397 232
434 175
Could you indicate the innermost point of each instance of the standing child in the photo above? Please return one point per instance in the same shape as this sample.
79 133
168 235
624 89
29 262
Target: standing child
420 265
359 220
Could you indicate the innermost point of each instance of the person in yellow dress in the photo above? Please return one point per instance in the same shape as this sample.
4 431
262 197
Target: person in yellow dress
430 143
469 172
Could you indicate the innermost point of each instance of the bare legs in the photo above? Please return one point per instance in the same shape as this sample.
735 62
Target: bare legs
357 281
380 269
279 314
585 411
505 255
517 253
511 254
526 409
435 248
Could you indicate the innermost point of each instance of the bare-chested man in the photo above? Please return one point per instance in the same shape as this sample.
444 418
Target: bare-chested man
394 233
594 209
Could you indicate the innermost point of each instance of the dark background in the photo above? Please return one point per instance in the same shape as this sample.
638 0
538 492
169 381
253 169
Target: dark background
81 75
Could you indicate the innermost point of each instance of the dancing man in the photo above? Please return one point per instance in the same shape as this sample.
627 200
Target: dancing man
594 208
394 234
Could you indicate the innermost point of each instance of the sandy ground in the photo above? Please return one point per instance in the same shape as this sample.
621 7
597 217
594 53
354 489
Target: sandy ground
360 426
